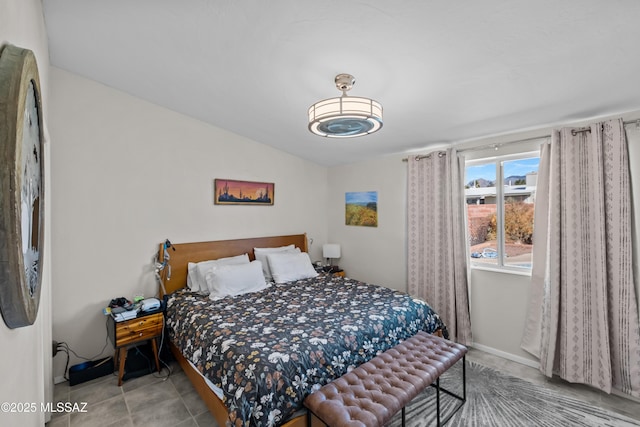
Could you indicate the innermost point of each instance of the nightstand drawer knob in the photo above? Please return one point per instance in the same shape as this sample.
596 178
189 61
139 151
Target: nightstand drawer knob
140 333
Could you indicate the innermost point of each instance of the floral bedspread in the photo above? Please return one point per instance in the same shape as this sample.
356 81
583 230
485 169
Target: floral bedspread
268 350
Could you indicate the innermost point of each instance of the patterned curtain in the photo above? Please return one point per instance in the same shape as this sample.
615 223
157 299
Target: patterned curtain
583 317
437 254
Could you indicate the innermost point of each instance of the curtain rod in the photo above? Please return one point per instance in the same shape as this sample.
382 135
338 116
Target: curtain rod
574 132
498 145
480 147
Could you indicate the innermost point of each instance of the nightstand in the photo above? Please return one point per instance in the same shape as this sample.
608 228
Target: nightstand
144 327
332 270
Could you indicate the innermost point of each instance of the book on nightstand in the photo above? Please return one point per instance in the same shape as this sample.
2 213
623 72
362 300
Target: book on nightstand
124 315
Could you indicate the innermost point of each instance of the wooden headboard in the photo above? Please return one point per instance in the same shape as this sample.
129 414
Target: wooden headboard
203 251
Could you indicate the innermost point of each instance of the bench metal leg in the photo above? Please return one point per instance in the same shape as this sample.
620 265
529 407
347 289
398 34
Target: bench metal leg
438 402
462 398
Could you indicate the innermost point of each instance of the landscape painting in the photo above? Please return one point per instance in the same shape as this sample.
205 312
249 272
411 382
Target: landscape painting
361 208
232 192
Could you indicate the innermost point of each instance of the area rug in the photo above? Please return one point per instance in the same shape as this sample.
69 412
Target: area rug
499 400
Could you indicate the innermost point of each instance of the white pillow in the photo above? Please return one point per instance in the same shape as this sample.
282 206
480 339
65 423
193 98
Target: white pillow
230 280
261 255
287 267
196 280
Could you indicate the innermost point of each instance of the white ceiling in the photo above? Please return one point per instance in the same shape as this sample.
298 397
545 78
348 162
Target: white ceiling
444 71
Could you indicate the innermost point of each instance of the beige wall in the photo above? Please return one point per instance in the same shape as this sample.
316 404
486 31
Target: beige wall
26 356
378 255
371 254
128 174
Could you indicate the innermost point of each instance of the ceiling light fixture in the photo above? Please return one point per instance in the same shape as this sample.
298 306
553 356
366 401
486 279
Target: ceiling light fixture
346 116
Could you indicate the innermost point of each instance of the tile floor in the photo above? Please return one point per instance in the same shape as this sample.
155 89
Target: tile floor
151 400
155 400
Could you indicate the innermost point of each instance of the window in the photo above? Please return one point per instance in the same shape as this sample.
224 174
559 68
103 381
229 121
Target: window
500 194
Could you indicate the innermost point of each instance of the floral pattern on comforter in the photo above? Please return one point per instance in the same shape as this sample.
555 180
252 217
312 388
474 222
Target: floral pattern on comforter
268 350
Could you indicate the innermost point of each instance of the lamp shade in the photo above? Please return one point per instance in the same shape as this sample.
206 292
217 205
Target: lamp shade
346 116
331 250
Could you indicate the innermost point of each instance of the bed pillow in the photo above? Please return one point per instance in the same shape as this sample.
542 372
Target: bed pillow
230 280
261 255
196 280
287 267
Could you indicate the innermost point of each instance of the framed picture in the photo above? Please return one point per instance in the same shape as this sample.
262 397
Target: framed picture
361 208
232 192
21 187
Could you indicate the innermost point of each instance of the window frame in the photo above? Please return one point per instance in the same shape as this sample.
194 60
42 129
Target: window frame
498 161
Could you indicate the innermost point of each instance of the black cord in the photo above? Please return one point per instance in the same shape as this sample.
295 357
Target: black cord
66 366
169 371
64 347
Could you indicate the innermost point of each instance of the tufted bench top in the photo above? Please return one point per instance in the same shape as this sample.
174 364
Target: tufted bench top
371 394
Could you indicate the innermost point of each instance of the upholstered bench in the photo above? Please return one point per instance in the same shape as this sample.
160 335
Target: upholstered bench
371 394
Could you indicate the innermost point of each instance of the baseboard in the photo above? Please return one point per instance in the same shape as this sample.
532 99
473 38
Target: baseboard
626 396
58 380
508 356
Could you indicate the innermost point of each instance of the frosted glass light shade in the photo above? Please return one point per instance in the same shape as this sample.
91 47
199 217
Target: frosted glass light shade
345 117
331 250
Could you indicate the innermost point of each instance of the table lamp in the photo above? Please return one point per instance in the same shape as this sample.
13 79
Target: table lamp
330 251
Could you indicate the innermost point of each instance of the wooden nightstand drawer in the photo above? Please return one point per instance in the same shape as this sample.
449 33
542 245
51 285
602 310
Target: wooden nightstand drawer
152 321
128 336
137 329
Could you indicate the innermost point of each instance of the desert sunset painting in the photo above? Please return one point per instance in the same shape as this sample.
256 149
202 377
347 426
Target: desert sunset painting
234 192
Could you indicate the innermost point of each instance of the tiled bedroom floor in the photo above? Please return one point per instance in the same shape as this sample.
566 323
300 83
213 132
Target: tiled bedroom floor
151 400
154 400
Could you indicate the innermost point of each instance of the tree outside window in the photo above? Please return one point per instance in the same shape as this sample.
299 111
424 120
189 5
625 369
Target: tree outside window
500 197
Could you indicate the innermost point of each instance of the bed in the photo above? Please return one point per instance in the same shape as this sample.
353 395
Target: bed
254 357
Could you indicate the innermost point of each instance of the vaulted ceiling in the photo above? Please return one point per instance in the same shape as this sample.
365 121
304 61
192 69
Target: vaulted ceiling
444 71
